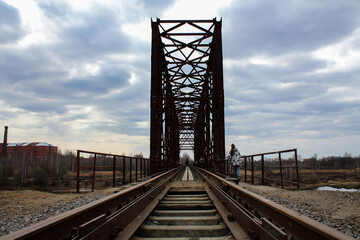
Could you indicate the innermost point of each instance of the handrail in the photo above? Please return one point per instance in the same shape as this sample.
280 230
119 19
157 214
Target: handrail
222 166
269 153
144 171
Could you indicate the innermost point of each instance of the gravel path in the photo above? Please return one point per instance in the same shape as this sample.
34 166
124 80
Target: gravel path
339 210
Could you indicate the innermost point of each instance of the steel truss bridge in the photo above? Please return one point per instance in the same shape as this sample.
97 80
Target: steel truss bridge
187 113
187 93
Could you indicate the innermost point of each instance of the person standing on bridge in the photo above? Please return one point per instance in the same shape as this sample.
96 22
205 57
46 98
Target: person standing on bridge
235 160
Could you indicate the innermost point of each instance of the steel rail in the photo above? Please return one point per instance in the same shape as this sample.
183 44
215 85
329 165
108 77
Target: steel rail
61 226
116 222
299 226
242 216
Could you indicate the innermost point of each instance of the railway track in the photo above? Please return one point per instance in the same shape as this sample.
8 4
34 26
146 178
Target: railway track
183 203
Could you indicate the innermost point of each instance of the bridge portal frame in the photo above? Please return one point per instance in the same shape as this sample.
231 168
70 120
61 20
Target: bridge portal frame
182 120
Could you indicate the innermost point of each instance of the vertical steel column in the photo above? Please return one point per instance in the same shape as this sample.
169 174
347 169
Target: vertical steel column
218 94
156 100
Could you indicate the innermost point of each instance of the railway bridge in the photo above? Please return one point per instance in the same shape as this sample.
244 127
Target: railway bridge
187 93
170 201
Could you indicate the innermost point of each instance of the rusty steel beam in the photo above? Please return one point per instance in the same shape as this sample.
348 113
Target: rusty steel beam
187 92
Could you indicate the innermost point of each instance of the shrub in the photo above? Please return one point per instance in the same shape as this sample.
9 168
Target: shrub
40 175
18 175
6 171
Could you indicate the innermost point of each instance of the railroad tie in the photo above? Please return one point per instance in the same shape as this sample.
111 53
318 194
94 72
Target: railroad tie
184 215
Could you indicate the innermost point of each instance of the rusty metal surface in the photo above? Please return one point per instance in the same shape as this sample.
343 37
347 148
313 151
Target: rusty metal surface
60 226
299 226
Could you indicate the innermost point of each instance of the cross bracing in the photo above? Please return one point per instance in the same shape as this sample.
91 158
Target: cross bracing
186 90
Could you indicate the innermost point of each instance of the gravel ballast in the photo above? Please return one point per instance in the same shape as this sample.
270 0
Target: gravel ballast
339 210
20 209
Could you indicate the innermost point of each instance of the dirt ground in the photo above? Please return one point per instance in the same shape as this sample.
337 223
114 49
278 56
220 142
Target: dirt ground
340 210
22 208
15 202
337 202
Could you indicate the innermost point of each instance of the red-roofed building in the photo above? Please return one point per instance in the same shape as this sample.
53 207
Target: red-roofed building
33 150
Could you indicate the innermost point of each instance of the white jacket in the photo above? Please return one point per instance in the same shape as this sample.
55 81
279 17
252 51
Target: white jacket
235 159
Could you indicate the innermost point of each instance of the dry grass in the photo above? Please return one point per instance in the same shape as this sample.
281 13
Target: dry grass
330 171
309 178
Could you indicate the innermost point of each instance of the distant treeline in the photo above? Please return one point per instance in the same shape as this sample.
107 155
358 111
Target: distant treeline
21 167
332 162
55 165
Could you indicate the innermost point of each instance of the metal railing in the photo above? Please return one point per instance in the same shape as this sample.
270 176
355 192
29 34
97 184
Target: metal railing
222 167
131 168
280 166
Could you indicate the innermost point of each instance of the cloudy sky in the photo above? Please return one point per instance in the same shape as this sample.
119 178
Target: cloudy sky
77 73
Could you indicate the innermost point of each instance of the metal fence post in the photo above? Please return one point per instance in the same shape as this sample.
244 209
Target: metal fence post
262 169
131 168
136 169
281 175
124 171
93 175
252 170
297 169
78 172
114 170
245 168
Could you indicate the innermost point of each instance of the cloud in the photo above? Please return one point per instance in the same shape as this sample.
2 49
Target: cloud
87 80
342 56
77 73
10 24
278 27
291 74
